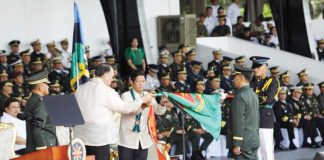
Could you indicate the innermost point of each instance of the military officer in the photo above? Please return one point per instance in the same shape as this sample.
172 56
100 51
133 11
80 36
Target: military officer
320 99
240 60
212 84
151 79
226 60
176 65
243 125
210 73
226 80
267 89
111 60
4 61
163 67
14 54
285 80
37 66
55 88
181 84
6 91
284 113
165 84
190 57
274 71
320 50
194 74
25 59
20 89
312 104
66 55
58 73
3 75
37 139
37 54
216 62
17 67
303 77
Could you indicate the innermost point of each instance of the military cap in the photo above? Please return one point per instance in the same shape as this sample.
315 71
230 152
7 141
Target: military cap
215 78
25 52
162 47
296 88
110 58
163 55
17 63
3 73
191 52
3 53
196 64
14 43
285 74
64 41
321 84
321 41
153 68
241 70
302 73
57 60
38 78
176 53
181 46
165 76
51 44
228 59
200 81
211 69
240 59
6 83
258 61
182 70
226 67
97 58
37 61
221 17
274 69
308 86
55 83
35 42
217 52
283 90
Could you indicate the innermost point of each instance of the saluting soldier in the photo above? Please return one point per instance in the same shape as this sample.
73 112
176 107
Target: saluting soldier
176 65
302 113
181 84
274 71
216 62
311 103
37 139
267 89
226 79
194 74
303 77
243 124
284 113
37 54
26 61
320 99
14 53
240 60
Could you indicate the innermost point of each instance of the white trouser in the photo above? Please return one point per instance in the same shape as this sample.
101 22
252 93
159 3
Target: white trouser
266 149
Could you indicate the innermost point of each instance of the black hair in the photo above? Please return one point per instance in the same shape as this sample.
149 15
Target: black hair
135 74
207 8
239 17
102 69
9 101
220 8
202 15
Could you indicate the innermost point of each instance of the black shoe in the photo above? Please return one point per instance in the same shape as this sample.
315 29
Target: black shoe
201 156
292 146
306 145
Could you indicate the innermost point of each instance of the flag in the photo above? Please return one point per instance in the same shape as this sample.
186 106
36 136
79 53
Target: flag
79 73
202 107
161 148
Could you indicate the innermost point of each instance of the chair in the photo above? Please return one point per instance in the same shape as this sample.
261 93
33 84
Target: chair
7 141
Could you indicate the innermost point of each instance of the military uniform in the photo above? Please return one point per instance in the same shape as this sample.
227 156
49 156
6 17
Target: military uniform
26 65
37 138
175 67
223 30
20 90
37 55
4 97
163 69
301 73
194 77
243 121
227 81
201 30
216 63
320 99
13 57
182 86
320 51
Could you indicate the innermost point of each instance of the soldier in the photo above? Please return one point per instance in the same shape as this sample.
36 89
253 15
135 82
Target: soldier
183 49
243 125
6 91
216 62
194 74
20 89
152 81
176 65
222 29
226 80
267 89
163 66
240 61
169 128
301 112
285 80
25 59
14 54
165 84
320 50
181 84
37 54
303 77
312 104
284 113
3 75
212 84
58 73
4 61
111 60
37 139
226 60
55 88
320 99
274 71
66 55
37 66
95 61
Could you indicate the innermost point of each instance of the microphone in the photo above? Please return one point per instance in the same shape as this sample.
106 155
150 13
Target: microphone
28 117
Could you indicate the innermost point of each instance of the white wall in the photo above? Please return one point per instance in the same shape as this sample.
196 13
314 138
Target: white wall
234 47
50 20
148 10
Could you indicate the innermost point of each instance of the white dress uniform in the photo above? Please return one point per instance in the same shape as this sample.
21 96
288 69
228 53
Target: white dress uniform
19 125
66 59
127 137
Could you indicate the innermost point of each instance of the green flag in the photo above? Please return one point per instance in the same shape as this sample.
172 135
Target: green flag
202 107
